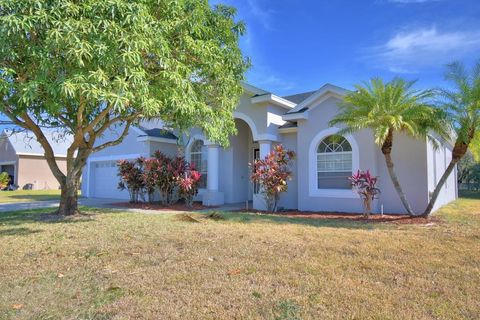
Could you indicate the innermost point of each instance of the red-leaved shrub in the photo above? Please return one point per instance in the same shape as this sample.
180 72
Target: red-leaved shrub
272 174
365 185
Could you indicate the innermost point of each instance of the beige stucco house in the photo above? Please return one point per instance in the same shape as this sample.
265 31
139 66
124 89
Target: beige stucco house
22 157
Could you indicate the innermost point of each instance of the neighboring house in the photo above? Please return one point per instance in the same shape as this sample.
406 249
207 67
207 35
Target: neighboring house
323 163
22 157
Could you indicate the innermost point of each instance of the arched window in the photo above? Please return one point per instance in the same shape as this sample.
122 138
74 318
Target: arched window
198 158
334 163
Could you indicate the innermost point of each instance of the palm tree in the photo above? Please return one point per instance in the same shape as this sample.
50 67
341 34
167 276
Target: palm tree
388 108
463 109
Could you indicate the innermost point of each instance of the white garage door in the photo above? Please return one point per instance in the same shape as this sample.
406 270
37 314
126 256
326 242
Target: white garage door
105 181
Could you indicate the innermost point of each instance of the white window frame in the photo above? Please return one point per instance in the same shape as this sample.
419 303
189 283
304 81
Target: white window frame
188 155
313 190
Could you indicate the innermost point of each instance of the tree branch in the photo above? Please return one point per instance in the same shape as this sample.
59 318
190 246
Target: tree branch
114 142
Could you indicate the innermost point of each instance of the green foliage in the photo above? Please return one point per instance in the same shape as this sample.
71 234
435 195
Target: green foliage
462 104
394 106
4 180
475 146
66 62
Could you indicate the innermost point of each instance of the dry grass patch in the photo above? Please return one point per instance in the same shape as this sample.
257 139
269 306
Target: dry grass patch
113 265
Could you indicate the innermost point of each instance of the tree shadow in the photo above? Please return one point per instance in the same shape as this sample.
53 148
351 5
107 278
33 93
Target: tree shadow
44 215
17 232
468 194
244 217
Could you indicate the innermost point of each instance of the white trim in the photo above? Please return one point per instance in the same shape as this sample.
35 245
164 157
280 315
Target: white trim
39 155
296 116
156 139
249 121
256 136
270 97
197 136
313 190
115 157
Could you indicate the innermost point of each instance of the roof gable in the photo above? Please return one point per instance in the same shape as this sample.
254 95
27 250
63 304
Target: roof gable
324 90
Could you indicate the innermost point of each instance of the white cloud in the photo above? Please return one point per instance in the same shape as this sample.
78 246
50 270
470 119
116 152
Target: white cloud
263 15
409 51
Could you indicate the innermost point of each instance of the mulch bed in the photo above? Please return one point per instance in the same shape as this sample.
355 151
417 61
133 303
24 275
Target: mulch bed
159 207
374 218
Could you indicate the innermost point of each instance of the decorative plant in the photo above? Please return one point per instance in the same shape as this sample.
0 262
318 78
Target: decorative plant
150 176
130 173
188 185
272 174
4 180
365 185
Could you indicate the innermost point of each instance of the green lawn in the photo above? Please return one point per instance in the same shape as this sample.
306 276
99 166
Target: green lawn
127 266
29 195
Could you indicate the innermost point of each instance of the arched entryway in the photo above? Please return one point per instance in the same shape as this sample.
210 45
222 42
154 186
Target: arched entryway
236 159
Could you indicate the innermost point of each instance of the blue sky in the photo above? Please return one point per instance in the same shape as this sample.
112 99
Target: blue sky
299 45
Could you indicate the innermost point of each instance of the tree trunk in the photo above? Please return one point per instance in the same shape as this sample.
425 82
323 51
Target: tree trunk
387 152
458 152
69 197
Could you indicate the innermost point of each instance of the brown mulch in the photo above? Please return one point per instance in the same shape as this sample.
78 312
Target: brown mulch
159 207
374 218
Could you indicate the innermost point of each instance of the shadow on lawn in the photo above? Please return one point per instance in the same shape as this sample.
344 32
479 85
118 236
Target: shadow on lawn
469 194
278 219
17 232
45 215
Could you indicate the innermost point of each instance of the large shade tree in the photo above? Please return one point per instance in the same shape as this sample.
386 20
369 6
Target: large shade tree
390 108
86 66
462 104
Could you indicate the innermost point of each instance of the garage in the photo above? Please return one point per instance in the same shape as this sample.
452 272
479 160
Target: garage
105 181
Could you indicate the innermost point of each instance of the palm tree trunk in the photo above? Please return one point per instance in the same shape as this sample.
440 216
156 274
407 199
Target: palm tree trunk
387 152
458 152
439 187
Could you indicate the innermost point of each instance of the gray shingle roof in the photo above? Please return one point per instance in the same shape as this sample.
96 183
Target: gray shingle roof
299 97
159 133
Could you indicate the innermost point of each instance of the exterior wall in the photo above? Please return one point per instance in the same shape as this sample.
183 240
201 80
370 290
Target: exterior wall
410 160
129 145
409 155
319 116
35 170
169 149
129 148
438 159
288 200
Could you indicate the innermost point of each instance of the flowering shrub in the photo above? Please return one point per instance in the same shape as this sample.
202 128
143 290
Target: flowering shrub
130 173
150 176
272 174
174 178
188 185
365 185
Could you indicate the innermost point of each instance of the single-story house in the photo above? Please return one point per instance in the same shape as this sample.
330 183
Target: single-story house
22 157
300 123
